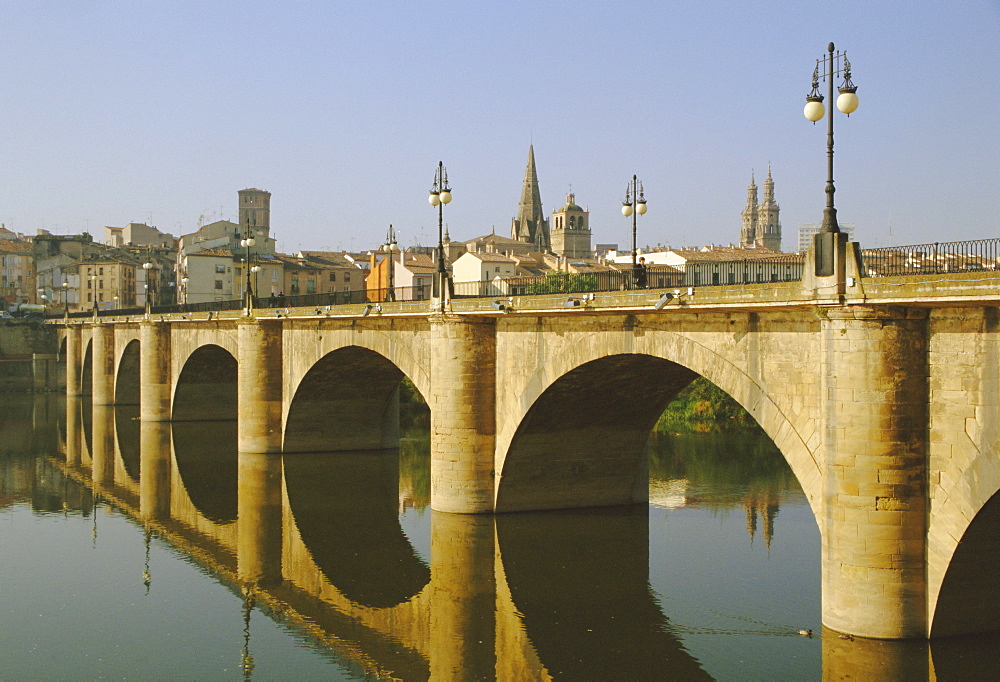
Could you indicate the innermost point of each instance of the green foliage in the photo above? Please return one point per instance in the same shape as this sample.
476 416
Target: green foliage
563 283
703 407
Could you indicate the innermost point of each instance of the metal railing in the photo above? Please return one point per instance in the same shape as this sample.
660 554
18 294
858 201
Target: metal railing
890 261
936 258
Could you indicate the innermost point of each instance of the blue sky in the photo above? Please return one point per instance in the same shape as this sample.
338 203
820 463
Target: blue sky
113 112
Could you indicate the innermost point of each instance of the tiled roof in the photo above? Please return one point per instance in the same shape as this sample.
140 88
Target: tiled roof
11 246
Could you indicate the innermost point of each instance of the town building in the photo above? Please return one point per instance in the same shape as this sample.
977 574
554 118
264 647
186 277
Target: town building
17 271
137 234
224 239
809 231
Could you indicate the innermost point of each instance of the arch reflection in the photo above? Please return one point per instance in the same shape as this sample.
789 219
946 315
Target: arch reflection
355 539
127 430
205 455
580 579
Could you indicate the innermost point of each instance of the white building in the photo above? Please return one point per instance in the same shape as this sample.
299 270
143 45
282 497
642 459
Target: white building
810 230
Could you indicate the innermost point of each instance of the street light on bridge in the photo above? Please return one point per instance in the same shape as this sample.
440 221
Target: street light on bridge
634 209
832 66
248 242
439 196
147 266
390 248
65 290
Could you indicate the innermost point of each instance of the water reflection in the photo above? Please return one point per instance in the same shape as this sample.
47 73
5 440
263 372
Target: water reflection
355 539
318 545
580 578
205 456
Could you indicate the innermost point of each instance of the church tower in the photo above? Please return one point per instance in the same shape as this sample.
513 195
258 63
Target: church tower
748 233
571 230
530 225
255 208
768 233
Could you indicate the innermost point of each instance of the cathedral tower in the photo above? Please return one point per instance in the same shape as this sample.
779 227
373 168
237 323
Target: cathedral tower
761 227
768 226
749 230
571 230
530 225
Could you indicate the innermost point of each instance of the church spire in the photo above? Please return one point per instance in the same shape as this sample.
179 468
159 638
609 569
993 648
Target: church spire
530 225
748 233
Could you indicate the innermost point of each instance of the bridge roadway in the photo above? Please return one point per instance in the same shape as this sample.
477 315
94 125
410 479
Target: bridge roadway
882 395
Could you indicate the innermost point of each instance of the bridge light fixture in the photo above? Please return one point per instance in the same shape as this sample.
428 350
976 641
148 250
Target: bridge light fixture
665 298
503 304
390 248
634 206
827 68
440 195
248 242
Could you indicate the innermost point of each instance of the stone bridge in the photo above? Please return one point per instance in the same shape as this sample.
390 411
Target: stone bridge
882 394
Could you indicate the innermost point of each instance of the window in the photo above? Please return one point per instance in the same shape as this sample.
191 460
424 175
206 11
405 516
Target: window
218 284
220 269
310 286
333 276
89 297
101 271
347 277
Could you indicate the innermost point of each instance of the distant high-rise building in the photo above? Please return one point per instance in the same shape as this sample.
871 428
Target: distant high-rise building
571 230
761 226
531 226
809 230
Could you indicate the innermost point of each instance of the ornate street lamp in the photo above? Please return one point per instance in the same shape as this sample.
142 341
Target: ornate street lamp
93 288
390 248
634 209
148 289
65 289
832 66
184 287
440 195
248 242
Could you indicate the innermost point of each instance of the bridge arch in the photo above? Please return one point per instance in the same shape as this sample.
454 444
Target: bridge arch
127 374
672 360
205 389
347 400
963 594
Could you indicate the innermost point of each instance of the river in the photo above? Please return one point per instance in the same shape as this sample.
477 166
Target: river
125 551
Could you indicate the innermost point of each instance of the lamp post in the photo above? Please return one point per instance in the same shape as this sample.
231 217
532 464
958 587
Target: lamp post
148 289
248 243
41 295
65 289
634 209
390 248
832 66
93 288
440 195
184 289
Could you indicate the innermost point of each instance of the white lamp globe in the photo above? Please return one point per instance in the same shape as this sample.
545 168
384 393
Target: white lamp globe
626 210
814 110
446 197
434 199
640 207
847 102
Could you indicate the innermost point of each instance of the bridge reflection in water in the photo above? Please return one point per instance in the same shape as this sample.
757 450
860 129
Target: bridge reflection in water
519 596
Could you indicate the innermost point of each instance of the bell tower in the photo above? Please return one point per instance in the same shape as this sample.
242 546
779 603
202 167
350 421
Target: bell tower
571 230
748 233
768 233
